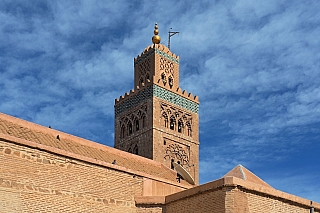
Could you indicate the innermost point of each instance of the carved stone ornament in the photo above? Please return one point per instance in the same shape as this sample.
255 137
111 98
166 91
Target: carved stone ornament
174 151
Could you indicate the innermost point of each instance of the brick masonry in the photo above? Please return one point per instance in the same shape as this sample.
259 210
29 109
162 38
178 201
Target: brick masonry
158 120
44 170
37 181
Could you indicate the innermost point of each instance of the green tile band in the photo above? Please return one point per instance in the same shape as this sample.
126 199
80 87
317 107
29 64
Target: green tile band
159 92
165 55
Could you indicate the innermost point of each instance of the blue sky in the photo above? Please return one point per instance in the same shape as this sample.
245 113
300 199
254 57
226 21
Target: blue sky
255 66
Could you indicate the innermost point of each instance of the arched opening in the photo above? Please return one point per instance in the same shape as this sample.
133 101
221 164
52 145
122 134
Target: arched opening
122 131
170 82
172 167
135 150
137 124
163 78
130 128
144 121
180 126
189 130
172 123
164 119
147 77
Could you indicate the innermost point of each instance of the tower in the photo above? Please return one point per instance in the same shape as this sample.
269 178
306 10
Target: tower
158 120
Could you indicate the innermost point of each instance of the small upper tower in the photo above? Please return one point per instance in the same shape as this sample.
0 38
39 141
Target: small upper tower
157 119
156 62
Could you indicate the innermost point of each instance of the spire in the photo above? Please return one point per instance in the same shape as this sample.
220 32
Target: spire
156 38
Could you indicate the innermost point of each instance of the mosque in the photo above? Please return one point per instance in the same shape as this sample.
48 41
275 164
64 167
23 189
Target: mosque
153 167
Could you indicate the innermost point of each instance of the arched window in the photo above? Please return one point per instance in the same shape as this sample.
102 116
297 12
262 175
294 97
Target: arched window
122 131
180 126
147 77
172 123
137 124
163 78
170 82
130 128
165 119
189 133
144 121
135 150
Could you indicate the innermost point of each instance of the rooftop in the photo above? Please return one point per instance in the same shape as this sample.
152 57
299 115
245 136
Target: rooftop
30 134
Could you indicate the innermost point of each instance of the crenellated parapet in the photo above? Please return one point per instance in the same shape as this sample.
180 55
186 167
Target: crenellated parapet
132 92
160 49
178 91
180 98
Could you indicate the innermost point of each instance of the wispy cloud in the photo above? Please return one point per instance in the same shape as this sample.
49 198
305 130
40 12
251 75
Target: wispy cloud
254 65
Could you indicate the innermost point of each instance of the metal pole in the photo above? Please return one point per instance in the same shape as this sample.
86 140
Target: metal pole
170 35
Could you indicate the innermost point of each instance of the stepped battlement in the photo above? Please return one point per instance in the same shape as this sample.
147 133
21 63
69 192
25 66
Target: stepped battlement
160 49
178 91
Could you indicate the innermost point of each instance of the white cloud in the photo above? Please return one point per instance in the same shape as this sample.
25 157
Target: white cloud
254 65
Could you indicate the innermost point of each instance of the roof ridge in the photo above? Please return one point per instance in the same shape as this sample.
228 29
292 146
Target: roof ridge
245 174
242 172
16 128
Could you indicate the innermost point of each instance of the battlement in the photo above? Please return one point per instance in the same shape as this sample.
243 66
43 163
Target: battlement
178 91
132 92
178 97
159 49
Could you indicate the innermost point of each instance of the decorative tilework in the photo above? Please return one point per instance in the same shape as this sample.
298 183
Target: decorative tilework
133 101
165 55
175 99
159 92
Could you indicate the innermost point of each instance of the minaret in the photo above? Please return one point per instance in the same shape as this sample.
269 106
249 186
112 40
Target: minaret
158 120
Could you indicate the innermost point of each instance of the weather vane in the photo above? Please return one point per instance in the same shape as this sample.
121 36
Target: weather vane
171 33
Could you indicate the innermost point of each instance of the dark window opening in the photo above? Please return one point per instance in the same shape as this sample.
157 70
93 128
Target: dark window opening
170 82
172 167
123 130
180 126
143 121
135 150
163 77
130 128
137 125
189 129
164 142
172 123
165 119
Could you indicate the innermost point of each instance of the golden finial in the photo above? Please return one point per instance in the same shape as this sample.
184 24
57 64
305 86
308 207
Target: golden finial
156 38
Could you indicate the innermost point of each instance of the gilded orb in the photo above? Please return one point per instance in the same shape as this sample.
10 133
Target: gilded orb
156 39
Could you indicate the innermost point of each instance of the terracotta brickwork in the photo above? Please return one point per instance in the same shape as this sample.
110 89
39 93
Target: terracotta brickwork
230 195
212 201
38 181
157 63
257 202
158 120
